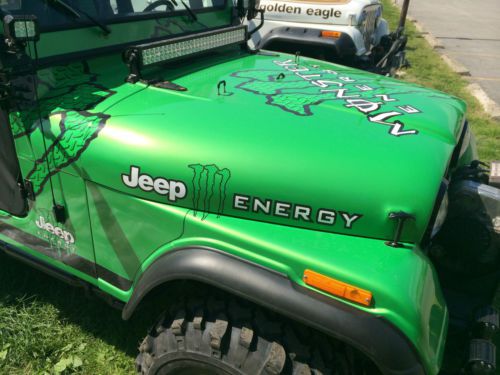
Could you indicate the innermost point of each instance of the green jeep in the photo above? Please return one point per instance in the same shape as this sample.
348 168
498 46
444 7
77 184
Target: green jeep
287 215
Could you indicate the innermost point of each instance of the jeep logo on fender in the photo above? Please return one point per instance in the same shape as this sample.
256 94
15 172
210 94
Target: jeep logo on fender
57 231
172 189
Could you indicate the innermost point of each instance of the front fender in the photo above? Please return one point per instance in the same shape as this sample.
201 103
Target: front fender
373 335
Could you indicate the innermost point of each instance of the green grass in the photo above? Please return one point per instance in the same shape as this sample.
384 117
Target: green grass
48 327
428 69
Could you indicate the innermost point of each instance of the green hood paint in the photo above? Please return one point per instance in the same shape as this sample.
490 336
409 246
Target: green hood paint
283 140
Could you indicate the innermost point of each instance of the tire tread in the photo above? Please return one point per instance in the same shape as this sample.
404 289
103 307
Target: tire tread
248 340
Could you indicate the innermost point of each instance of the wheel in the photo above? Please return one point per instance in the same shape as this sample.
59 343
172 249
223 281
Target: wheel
216 337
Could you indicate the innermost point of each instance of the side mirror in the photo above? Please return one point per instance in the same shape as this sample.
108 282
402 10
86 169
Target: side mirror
19 29
248 8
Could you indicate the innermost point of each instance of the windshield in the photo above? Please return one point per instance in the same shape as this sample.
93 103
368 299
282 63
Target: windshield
108 11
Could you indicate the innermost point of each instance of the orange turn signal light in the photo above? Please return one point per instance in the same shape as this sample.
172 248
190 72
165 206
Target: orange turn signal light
338 288
331 34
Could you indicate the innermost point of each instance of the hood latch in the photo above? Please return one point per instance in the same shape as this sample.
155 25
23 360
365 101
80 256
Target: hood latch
401 217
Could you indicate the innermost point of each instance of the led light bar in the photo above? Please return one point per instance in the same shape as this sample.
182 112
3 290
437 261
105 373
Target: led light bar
145 55
189 46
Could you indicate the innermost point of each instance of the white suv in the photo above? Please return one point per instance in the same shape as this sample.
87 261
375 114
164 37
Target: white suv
335 30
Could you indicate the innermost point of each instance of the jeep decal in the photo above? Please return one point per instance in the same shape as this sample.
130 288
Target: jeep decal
57 235
171 189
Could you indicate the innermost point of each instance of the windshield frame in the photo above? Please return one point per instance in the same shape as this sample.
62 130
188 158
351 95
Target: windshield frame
118 19
95 44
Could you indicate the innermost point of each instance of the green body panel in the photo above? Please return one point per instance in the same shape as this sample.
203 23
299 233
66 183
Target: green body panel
122 239
57 249
327 151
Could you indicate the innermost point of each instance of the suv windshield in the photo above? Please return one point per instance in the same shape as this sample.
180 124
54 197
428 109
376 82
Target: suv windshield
108 11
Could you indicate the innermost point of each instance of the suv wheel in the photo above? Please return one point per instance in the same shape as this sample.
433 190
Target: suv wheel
212 337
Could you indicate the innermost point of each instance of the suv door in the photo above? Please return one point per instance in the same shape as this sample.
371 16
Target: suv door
52 223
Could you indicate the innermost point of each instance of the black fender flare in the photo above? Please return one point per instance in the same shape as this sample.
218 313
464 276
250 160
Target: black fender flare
390 350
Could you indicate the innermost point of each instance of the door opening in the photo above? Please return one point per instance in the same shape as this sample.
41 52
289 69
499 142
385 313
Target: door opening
12 199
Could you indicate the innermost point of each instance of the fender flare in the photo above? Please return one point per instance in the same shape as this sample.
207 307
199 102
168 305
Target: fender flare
390 350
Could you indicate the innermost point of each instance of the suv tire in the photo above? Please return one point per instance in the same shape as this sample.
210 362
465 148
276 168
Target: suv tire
213 337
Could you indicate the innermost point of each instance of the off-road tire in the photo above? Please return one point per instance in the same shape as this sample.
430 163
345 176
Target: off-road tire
216 336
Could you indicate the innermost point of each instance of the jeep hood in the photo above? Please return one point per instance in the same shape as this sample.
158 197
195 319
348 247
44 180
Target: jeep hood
311 145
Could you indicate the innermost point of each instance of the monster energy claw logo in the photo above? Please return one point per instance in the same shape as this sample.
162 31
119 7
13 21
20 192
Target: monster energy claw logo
209 188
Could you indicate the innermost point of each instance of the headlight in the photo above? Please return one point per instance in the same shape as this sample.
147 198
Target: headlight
441 215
